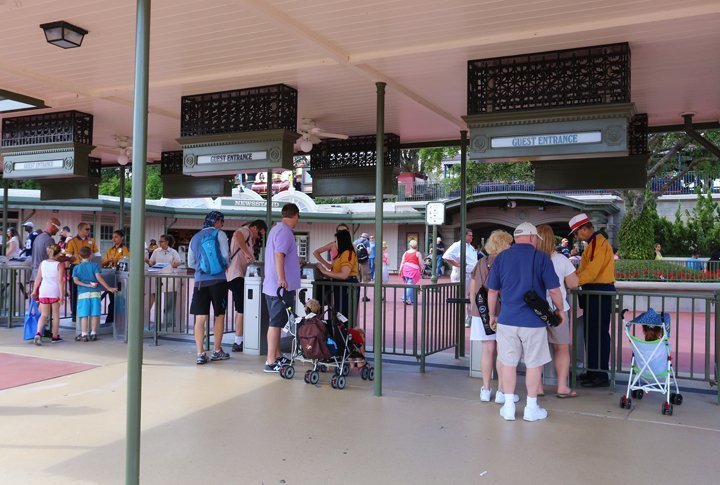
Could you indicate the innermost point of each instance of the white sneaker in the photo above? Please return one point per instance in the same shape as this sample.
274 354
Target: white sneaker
500 397
485 394
508 412
534 413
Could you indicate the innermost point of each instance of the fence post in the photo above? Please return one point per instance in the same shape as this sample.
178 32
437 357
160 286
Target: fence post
423 324
573 354
717 345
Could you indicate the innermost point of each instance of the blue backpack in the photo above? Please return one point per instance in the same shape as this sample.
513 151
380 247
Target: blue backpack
211 258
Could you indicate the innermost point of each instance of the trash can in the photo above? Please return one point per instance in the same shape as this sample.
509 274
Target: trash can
122 305
256 315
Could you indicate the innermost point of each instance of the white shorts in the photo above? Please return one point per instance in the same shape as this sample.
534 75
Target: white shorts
529 343
560 334
477 331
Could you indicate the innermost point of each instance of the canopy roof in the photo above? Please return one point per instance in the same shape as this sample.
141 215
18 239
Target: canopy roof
333 51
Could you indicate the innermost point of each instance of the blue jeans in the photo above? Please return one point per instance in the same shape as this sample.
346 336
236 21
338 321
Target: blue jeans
409 292
372 267
439 265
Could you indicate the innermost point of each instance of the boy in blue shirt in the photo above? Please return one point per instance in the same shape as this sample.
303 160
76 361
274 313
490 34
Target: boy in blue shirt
86 276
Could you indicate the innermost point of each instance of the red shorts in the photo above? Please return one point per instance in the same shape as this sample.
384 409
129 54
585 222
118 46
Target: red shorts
48 301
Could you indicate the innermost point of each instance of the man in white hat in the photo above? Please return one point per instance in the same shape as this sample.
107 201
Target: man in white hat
520 332
596 273
30 236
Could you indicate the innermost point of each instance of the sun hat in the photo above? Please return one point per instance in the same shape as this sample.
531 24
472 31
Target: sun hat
577 222
212 218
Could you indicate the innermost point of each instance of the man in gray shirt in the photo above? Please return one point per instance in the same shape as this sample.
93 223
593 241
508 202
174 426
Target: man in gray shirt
41 244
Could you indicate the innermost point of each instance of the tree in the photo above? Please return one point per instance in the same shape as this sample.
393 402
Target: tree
110 183
425 160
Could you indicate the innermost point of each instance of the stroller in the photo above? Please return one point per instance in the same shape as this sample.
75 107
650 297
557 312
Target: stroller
651 367
427 268
338 349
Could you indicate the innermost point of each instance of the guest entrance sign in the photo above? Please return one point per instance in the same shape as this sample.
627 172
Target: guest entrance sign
566 111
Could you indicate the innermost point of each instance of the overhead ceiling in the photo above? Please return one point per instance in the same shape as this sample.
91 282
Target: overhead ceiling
333 51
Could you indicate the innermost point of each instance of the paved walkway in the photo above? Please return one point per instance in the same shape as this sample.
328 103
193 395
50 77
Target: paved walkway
228 422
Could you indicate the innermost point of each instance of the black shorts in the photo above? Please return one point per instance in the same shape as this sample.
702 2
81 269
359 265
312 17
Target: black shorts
237 286
277 308
202 297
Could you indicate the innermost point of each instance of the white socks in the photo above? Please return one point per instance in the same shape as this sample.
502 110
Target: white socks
238 340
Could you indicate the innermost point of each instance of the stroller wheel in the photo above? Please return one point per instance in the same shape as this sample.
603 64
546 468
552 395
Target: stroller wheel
365 373
282 372
323 368
371 374
314 377
667 409
341 382
676 399
333 382
345 370
638 394
625 403
307 377
289 372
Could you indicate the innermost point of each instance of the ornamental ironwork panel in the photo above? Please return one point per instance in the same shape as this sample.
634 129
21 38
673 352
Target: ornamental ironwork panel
62 127
355 152
571 77
242 110
171 163
638 134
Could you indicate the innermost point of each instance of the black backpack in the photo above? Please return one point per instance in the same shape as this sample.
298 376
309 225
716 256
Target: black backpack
362 253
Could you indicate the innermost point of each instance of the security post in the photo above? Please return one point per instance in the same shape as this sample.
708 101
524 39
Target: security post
434 216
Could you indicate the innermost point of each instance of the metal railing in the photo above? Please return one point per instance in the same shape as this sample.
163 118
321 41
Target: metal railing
419 191
694 334
416 319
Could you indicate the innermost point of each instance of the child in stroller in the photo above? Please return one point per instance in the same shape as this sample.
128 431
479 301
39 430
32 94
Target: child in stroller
427 268
324 344
651 368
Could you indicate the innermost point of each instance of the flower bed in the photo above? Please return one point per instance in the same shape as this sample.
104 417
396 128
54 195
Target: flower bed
635 270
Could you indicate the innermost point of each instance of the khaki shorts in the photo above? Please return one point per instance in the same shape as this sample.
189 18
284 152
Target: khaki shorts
559 335
529 343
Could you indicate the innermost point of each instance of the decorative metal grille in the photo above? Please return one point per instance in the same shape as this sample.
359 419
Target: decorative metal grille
572 77
94 167
355 152
62 127
171 163
253 109
638 134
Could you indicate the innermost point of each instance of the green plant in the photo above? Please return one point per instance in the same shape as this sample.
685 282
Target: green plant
652 270
636 236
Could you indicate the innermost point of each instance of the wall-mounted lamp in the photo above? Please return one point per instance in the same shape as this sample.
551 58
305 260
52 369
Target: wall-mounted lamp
63 34
511 204
10 102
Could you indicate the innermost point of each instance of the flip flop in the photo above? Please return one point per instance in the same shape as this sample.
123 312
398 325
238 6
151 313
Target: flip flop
567 396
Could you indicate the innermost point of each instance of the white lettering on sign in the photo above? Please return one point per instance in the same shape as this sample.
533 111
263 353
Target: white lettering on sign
43 165
248 203
556 139
231 158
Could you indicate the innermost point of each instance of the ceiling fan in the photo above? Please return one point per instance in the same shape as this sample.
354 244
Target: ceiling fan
310 134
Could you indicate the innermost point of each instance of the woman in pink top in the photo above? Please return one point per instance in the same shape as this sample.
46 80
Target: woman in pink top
411 270
48 291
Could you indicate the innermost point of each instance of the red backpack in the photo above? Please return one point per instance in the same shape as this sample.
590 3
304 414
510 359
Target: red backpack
312 336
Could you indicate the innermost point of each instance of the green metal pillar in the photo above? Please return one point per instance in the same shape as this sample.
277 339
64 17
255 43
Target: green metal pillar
378 331
463 246
433 278
122 198
268 211
5 216
136 317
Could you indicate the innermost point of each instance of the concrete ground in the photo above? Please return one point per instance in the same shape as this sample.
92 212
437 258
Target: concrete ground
229 422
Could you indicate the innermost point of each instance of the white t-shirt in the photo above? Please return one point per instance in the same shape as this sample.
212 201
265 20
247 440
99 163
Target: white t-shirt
167 256
563 267
453 254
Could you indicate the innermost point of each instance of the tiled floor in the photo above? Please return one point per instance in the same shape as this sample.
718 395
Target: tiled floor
227 422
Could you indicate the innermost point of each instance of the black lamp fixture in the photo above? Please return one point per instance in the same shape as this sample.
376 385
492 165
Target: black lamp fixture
10 102
63 34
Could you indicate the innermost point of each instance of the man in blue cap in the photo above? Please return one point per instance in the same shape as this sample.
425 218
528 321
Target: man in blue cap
208 254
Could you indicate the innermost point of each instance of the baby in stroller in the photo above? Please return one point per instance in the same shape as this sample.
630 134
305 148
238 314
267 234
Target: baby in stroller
651 367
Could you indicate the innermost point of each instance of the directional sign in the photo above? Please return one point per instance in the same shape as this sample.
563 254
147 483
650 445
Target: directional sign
435 213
